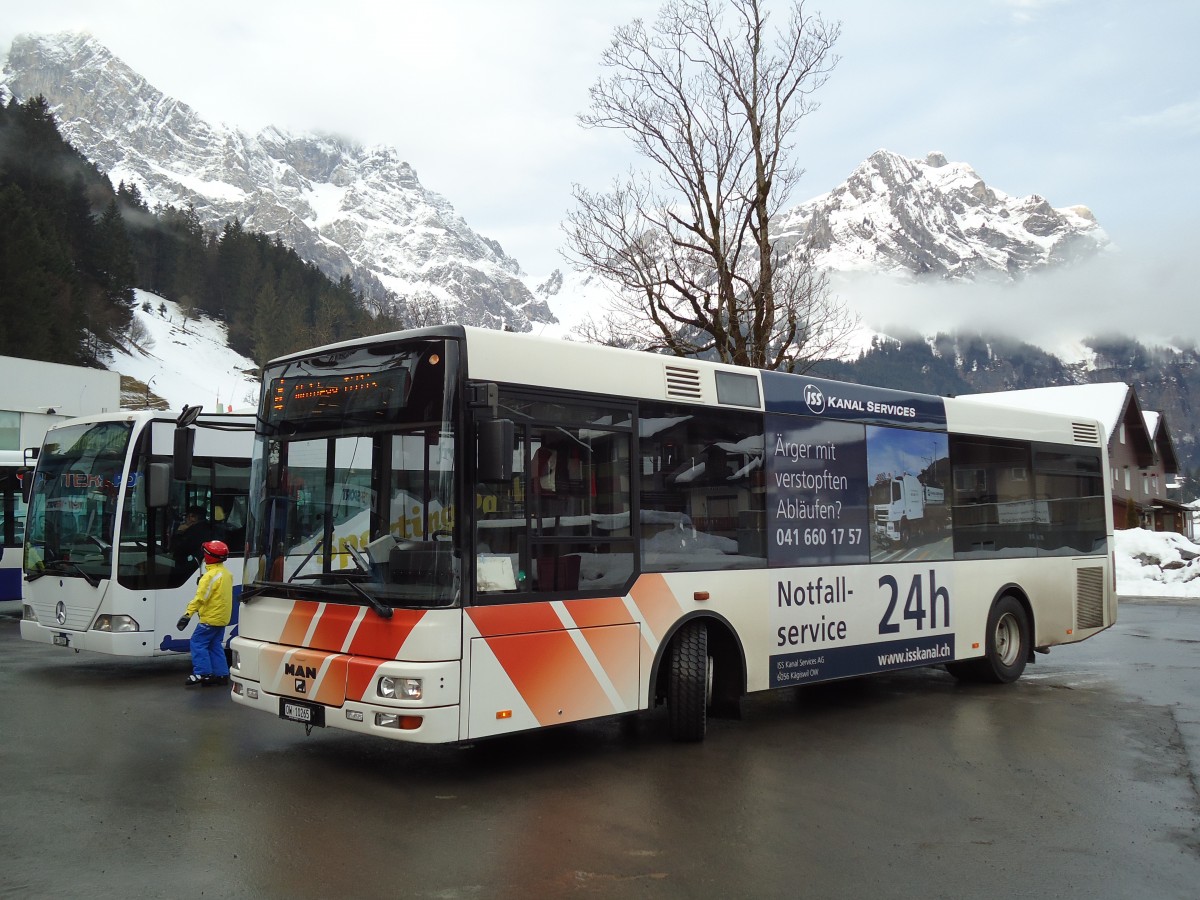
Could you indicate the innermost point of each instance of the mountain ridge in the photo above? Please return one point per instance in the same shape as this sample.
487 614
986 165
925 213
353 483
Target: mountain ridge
362 212
351 210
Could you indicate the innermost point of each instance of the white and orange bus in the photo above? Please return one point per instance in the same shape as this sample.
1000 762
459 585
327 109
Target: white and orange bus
457 533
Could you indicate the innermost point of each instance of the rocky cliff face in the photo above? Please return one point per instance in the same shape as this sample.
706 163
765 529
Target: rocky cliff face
352 211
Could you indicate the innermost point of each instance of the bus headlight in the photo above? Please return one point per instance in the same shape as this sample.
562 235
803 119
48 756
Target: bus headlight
236 662
115 623
27 613
396 688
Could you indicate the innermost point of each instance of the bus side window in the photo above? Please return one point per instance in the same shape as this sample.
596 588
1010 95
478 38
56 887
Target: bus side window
703 495
563 525
994 509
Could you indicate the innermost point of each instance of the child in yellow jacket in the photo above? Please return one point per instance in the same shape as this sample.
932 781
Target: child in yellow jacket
213 604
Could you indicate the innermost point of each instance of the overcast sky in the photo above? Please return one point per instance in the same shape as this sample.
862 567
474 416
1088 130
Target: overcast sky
1093 102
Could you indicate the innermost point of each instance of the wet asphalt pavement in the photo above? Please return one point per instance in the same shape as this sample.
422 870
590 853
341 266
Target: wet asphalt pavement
1079 781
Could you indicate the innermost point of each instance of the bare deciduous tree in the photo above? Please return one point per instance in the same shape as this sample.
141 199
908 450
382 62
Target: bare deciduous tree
138 336
688 243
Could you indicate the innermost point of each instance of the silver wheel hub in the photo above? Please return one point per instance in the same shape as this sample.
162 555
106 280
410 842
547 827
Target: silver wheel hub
1008 639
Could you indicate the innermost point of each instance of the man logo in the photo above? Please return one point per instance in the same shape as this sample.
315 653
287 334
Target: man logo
814 399
300 688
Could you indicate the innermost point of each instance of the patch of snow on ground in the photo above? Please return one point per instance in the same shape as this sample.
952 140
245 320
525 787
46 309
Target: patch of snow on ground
1156 564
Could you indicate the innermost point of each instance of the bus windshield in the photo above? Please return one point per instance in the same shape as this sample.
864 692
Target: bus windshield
353 489
73 502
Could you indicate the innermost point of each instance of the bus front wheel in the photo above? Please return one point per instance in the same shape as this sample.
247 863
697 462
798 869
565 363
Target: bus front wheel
687 683
1007 647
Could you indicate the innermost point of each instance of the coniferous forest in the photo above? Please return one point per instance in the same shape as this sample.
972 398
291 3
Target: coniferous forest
72 249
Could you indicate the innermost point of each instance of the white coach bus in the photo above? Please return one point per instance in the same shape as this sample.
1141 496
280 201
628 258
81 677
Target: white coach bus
36 396
457 533
107 566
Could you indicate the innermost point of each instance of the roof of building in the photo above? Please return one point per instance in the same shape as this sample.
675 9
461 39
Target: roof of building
1105 401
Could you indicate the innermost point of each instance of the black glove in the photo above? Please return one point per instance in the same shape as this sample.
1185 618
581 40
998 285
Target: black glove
183 622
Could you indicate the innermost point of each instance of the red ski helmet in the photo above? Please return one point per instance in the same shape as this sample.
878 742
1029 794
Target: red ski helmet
215 551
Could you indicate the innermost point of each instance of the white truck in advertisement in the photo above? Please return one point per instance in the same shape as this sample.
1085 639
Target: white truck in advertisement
908 507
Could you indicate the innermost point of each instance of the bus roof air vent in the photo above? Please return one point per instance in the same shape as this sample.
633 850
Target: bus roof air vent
1085 432
683 383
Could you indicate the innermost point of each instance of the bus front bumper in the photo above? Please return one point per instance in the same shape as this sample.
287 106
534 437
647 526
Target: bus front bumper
424 725
116 643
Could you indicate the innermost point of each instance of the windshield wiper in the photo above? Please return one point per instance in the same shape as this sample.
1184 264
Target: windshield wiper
304 562
346 578
376 604
59 565
364 567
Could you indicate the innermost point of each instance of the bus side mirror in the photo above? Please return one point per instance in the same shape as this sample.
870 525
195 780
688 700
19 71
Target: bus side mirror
495 462
158 485
185 443
26 484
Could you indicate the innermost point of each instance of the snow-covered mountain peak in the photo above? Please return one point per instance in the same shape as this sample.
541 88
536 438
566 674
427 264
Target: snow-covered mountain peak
934 217
349 210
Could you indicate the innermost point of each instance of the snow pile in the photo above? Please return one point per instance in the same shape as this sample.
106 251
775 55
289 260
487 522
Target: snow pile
1156 564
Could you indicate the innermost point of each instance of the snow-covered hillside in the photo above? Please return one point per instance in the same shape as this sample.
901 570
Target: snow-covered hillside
574 298
185 361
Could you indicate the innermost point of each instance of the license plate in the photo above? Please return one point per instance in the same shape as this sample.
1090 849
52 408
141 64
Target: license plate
62 640
305 713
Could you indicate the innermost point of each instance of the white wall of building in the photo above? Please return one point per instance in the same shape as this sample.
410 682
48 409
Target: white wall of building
42 393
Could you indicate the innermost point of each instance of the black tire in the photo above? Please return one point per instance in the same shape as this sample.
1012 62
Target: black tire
687 683
1007 647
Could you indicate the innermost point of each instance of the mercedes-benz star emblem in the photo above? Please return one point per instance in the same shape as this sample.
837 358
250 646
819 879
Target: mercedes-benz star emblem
60 612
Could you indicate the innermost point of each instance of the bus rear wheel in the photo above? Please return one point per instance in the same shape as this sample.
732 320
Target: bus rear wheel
687 683
1007 649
